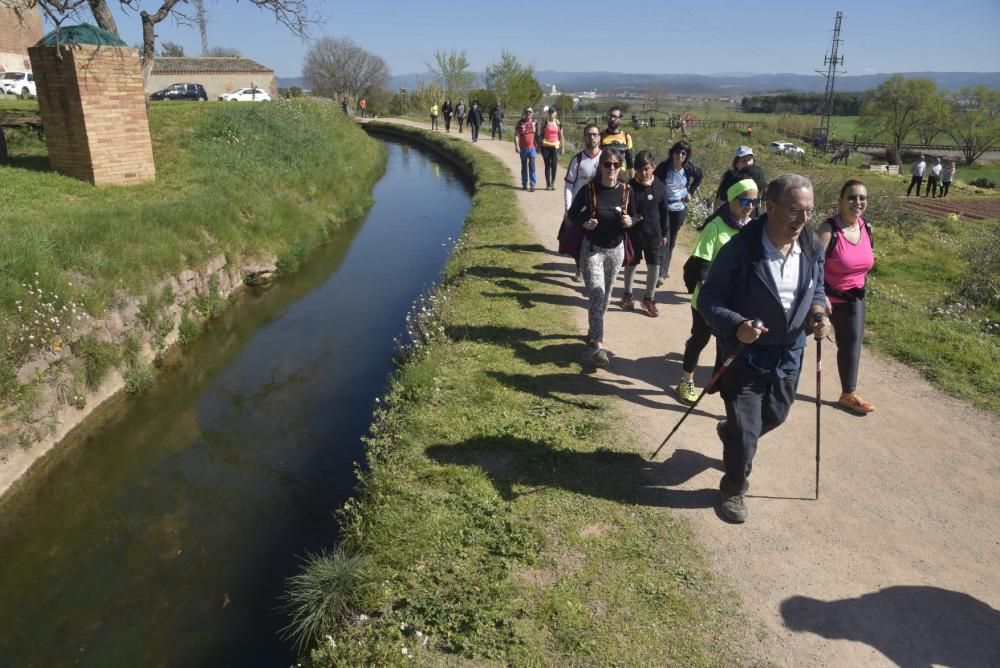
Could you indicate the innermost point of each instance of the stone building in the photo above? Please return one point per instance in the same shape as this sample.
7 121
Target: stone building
16 35
217 75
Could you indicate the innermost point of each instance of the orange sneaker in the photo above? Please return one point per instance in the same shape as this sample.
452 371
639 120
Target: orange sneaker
852 402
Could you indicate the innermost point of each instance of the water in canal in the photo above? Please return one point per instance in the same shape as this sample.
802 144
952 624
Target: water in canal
162 534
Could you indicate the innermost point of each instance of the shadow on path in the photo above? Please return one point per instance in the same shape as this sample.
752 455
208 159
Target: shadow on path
913 626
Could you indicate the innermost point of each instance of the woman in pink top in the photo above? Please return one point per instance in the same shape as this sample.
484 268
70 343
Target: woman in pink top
849 258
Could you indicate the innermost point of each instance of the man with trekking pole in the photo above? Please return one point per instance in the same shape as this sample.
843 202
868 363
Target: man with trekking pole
771 272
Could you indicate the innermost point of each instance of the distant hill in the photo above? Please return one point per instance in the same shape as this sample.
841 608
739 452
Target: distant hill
730 83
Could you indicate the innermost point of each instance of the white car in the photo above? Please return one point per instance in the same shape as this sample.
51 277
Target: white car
786 148
18 83
246 95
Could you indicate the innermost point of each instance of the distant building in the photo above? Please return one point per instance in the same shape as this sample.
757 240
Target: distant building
16 35
217 75
553 90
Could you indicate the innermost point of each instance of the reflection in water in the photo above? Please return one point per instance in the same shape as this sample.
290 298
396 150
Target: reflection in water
161 534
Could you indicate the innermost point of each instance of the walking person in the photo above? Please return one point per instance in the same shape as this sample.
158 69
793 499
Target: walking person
849 257
917 175
947 176
614 137
934 179
581 169
460 114
604 209
496 121
525 134
649 232
475 120
720 228
552 142
744 166
434 116
681 178
772 270
446 111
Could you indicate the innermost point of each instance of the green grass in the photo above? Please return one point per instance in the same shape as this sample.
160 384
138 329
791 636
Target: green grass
505 515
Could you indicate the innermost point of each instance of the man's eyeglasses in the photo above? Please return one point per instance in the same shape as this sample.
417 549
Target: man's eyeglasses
799 213
608 164
747 201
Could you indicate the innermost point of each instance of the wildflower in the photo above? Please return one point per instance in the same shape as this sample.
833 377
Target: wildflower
405 651
363 617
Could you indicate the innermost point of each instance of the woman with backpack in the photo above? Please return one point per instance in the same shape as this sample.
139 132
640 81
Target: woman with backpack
682 178
720 228
850 256
446 111
604 209
650 232
552 142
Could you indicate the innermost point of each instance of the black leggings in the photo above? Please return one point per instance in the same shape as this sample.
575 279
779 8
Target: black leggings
447 122
849 329
701 334
550 155
676 220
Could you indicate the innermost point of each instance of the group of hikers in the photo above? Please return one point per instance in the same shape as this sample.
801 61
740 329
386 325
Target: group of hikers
762 278
473 116
939 177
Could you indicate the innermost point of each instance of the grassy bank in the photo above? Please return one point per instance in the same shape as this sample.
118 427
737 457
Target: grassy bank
248 181
505 517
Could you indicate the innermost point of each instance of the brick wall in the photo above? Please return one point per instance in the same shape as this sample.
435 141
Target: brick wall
94 112
16 36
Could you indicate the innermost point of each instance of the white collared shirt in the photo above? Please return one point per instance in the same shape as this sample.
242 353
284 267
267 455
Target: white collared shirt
784 269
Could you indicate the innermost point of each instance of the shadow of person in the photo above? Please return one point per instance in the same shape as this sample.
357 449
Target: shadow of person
519 466
913 626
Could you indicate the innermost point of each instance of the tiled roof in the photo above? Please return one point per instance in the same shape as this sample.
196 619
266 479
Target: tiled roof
171 65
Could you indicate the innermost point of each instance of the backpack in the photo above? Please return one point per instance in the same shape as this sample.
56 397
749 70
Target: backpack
692 273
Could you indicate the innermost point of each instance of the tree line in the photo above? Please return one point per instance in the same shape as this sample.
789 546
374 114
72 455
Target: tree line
844 104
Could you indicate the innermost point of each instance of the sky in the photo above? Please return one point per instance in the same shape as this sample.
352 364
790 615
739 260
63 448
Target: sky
663 36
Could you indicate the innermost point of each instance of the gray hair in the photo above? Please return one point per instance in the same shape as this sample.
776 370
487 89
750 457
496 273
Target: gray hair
780 185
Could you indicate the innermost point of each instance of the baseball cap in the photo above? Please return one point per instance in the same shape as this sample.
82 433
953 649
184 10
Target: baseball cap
743 151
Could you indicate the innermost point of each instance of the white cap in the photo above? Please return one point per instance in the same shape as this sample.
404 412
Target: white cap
743 151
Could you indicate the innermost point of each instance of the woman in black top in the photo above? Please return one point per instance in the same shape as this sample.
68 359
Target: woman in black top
446 111
650 232
604 208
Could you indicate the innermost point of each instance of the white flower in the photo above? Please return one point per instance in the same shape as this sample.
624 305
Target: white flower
405 651
363 617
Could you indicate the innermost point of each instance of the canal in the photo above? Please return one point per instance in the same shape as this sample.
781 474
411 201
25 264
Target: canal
162 531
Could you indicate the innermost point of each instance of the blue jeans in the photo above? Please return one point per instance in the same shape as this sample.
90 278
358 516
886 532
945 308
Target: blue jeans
528 166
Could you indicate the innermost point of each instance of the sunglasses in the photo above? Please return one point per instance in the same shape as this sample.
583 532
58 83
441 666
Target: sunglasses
681 152
608 164
857 198
747 201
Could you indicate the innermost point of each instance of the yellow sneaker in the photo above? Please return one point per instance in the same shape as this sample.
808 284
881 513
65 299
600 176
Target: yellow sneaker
687 392
852 402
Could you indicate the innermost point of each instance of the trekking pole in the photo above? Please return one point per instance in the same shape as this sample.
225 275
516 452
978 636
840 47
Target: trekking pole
817 318
756 324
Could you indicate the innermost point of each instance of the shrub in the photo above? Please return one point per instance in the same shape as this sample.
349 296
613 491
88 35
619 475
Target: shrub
98 358
983 182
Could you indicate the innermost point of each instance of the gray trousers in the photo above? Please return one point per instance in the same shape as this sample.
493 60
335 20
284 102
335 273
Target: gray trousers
600 270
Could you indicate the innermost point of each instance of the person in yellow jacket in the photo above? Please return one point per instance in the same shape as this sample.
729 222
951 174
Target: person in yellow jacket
434 116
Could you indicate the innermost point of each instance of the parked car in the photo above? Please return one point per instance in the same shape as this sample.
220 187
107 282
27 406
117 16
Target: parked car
181 91
18 83
246 95
786 148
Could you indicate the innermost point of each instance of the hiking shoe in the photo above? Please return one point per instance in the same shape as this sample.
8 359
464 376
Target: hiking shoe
687 392
531 188
578 276
650 307
719 427
601 359
733 508
524 186
627 302
852 402
659 282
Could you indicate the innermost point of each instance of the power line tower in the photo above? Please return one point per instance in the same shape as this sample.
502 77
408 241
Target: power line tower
832 60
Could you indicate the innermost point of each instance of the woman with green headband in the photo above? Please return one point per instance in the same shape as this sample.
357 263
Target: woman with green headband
727 221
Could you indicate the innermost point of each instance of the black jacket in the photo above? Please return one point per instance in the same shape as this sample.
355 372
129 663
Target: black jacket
692 173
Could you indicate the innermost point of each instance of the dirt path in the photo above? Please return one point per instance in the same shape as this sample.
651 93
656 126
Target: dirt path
896 563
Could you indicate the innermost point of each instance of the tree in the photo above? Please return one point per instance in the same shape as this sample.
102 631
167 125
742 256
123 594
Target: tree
513 84
341 68
975 121
451 73
223 52
895 107
934 117
171 50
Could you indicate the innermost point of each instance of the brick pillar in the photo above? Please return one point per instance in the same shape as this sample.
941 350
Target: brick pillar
93 108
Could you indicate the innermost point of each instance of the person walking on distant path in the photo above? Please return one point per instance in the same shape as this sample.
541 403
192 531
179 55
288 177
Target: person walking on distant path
364 107
460 114
447 111
552 141
496 121
917 175
720 228
525 134
934 179
434 116
849 257
772 271
475 120
649 232
947 176
605 209
681 178
581 169
614 137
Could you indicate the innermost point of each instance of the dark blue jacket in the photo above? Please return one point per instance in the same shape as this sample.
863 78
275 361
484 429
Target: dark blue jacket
739 286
